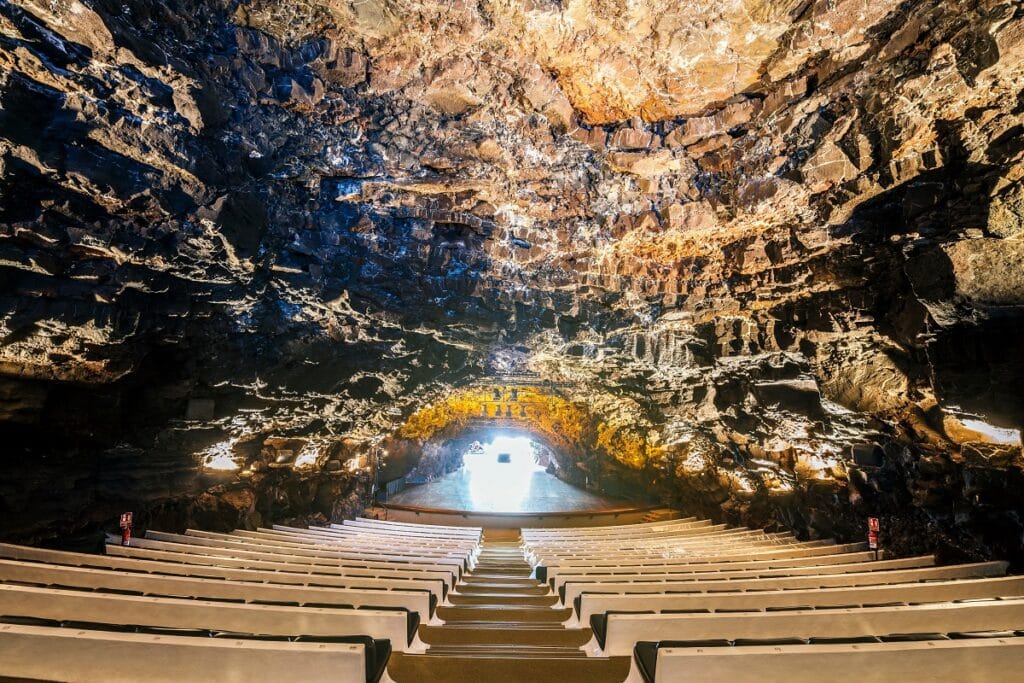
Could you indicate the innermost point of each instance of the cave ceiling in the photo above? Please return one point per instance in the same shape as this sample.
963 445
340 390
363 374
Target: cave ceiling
791 228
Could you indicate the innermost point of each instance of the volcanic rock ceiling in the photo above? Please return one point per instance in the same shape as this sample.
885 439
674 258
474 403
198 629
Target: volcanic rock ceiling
769 253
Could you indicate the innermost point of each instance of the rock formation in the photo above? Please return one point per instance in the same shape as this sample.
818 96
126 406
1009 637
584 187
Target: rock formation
767 256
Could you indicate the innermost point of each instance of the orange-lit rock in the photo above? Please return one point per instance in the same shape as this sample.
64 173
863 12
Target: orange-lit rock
745 257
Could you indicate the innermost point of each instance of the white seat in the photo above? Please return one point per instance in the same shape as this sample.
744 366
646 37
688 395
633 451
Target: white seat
214 589
529 532
326 565
895 576
82 656
443 573
720 546
694 529
367 535
309 545
467 550
742 555
368 580
696 564
702 535
644 574
434 531
624 630
441 527
284 538
240 542
934 591
704 530
982 660
275 620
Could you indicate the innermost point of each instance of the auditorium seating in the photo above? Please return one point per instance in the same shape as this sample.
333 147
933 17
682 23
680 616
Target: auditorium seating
656 585
445 574
628 565
267 605
621 631
371 600
691 601
915 657
683 572
97 656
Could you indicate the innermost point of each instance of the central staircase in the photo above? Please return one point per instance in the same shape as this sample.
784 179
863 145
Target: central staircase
502 627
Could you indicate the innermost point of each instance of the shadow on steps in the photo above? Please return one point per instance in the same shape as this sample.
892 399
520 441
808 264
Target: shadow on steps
405 668
504 634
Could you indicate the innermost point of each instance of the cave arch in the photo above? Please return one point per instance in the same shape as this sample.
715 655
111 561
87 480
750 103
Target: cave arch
591 449
570 424
500 470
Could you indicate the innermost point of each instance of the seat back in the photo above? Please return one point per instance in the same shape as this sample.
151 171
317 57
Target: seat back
36 652
622 631
958 571
215 589
178 613
996 659
936 591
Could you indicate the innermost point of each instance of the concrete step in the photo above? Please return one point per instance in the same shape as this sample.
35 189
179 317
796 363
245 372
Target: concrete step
500 576
518 568
503 600
500 580
504 634
502 625
511 559
502 554
406 668
500 614
495 588
505 650
518 561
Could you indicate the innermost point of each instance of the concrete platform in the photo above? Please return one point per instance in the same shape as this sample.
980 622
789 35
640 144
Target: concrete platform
534 492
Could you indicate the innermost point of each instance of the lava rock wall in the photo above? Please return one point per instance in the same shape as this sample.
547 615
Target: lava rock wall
778 244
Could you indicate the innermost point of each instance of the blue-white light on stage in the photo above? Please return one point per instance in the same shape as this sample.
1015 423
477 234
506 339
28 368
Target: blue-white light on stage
501 486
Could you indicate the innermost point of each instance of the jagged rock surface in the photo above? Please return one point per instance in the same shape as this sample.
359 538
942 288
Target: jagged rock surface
778 243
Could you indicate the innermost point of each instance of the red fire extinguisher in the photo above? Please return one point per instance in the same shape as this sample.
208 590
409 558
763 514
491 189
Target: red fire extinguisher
126 528
873 528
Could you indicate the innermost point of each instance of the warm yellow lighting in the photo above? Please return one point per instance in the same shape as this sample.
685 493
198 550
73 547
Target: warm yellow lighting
741 482
307 457
560 420
824 464
994 434
698 457
221 456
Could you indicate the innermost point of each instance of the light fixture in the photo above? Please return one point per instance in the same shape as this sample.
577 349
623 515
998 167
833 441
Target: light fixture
221 456
307 457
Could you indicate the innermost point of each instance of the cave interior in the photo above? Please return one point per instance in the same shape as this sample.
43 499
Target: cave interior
760 262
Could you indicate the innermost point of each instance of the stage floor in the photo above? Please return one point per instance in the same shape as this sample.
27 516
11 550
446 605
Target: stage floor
494 489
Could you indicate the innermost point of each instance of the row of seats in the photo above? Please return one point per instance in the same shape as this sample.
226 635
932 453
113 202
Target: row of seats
691 600
313 604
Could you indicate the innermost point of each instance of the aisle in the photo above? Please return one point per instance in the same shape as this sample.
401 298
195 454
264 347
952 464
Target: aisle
502 627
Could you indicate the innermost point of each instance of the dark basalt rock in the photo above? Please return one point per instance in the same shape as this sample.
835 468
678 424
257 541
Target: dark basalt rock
279 229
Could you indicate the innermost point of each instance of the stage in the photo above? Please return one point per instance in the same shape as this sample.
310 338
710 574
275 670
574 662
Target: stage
504 491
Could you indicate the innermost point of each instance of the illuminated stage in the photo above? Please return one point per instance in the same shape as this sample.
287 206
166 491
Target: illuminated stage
484 484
